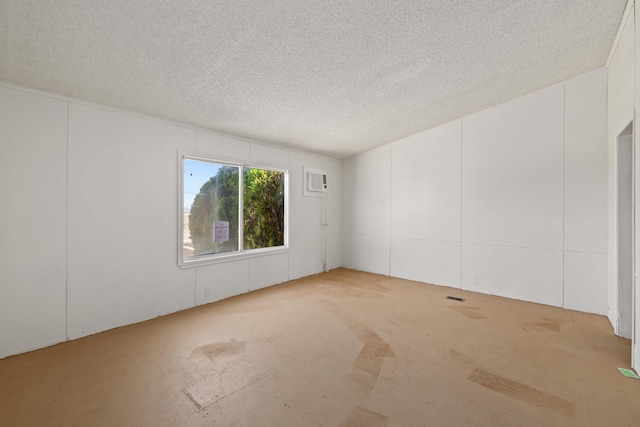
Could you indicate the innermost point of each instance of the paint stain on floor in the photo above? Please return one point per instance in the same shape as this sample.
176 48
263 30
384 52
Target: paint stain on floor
470 312
522 392
220 348
455 354
247 308
361 417
366 367
546 324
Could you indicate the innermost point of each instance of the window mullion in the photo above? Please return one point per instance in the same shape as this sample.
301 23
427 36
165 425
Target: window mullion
241 210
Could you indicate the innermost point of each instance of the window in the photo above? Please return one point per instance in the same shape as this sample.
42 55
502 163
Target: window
230 210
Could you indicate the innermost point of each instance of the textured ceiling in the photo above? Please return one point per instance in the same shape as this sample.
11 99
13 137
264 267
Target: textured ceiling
331 77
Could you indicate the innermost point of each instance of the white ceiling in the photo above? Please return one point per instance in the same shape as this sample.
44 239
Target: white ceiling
331 77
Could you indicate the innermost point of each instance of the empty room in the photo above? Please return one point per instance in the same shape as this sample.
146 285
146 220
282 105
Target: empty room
297 213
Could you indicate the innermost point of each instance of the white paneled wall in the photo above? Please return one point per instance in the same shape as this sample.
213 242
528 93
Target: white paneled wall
529 274
308 243
512 169
122 216
425 206
366 201
585 194
334 217
266 270
512 198
221 281
33 220
584 274
623 101
635 353
271 156
585 182
425 260
427 164
494 202
215 145
367 253
621 111
116 263
367 193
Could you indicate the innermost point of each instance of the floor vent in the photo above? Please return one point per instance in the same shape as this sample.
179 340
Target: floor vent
455 298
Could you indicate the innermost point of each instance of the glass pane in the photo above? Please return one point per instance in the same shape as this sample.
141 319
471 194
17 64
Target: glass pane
263 208
210 208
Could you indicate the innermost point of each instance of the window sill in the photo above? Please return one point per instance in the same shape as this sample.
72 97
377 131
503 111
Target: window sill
221 258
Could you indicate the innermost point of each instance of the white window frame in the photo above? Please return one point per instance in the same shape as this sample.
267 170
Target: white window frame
241 253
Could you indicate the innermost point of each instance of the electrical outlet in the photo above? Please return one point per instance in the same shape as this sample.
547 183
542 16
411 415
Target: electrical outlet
207 292
475 280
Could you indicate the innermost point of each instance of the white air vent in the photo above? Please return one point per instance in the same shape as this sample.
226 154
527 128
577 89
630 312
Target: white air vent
315 182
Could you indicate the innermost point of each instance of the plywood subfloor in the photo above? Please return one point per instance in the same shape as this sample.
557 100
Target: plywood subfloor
344 348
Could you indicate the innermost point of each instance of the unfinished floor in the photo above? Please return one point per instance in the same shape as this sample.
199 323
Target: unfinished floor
343 348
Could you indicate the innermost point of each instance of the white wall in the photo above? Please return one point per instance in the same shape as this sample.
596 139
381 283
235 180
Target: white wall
624 99
585 194
307 243
620 114
366 203
33 247
494 202
122 186
512 199
90 237
635 355
425 206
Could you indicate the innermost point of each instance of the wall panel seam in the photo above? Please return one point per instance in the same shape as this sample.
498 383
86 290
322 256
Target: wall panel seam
564 172
67 335
507 245
461 191
426 239
365 234
390 201
575 251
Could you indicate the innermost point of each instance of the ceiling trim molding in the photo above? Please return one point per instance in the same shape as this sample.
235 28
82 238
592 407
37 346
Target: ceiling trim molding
623 22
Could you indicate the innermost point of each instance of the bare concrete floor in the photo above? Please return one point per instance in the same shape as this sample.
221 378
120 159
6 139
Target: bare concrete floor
339 349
